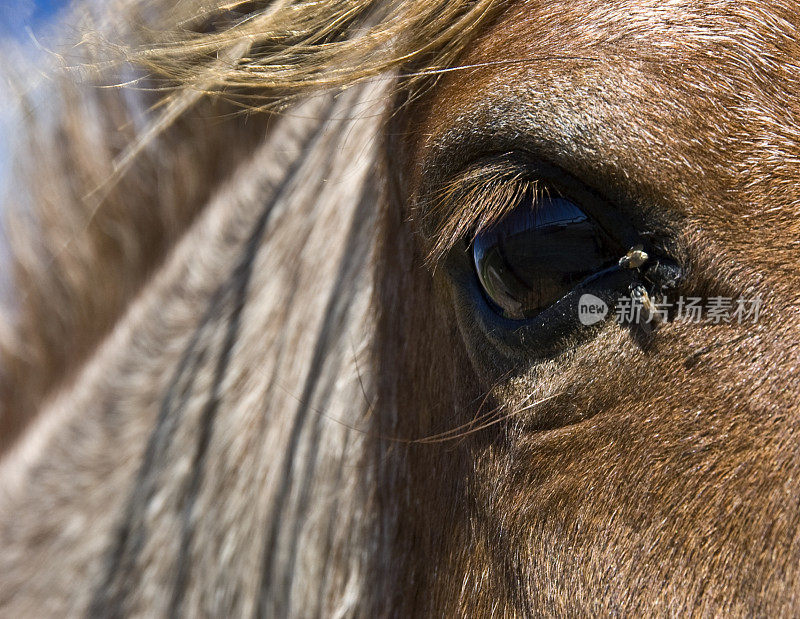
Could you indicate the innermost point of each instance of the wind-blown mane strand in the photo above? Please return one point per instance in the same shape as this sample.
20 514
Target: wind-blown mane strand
137 164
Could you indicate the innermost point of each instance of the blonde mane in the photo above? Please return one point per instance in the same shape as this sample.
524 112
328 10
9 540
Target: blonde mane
148 108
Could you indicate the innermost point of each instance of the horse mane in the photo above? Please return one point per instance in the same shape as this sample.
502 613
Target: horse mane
153 110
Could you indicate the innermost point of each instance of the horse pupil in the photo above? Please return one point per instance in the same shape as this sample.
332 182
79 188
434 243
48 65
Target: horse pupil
537 254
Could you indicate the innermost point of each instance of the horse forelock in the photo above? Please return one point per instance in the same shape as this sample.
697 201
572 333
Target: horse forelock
110 177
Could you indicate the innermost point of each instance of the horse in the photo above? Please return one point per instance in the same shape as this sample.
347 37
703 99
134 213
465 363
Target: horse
383 309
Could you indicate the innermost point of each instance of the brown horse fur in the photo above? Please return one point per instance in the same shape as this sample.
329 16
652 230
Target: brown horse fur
289 419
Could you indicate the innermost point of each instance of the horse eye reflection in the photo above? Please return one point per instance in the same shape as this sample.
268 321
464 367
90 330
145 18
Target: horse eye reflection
537 254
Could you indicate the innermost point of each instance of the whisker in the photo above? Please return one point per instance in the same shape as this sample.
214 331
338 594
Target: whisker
494 63
491 423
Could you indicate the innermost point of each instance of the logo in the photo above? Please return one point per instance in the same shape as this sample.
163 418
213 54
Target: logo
641 309
591 310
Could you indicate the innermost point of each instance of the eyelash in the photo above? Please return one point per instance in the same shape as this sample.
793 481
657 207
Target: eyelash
472 202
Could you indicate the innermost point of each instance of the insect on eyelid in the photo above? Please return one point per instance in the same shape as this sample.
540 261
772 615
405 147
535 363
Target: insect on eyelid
650 318
635 258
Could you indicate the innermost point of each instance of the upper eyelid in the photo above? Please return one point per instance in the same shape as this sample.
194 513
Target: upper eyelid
619 219
472 200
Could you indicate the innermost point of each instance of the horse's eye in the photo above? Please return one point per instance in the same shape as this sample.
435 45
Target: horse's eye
537 254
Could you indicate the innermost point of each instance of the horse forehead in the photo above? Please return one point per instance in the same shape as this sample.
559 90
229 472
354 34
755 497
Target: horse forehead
723 45
692 101
591 53
632 28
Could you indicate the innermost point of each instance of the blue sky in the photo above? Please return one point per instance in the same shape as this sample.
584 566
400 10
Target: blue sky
16 15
